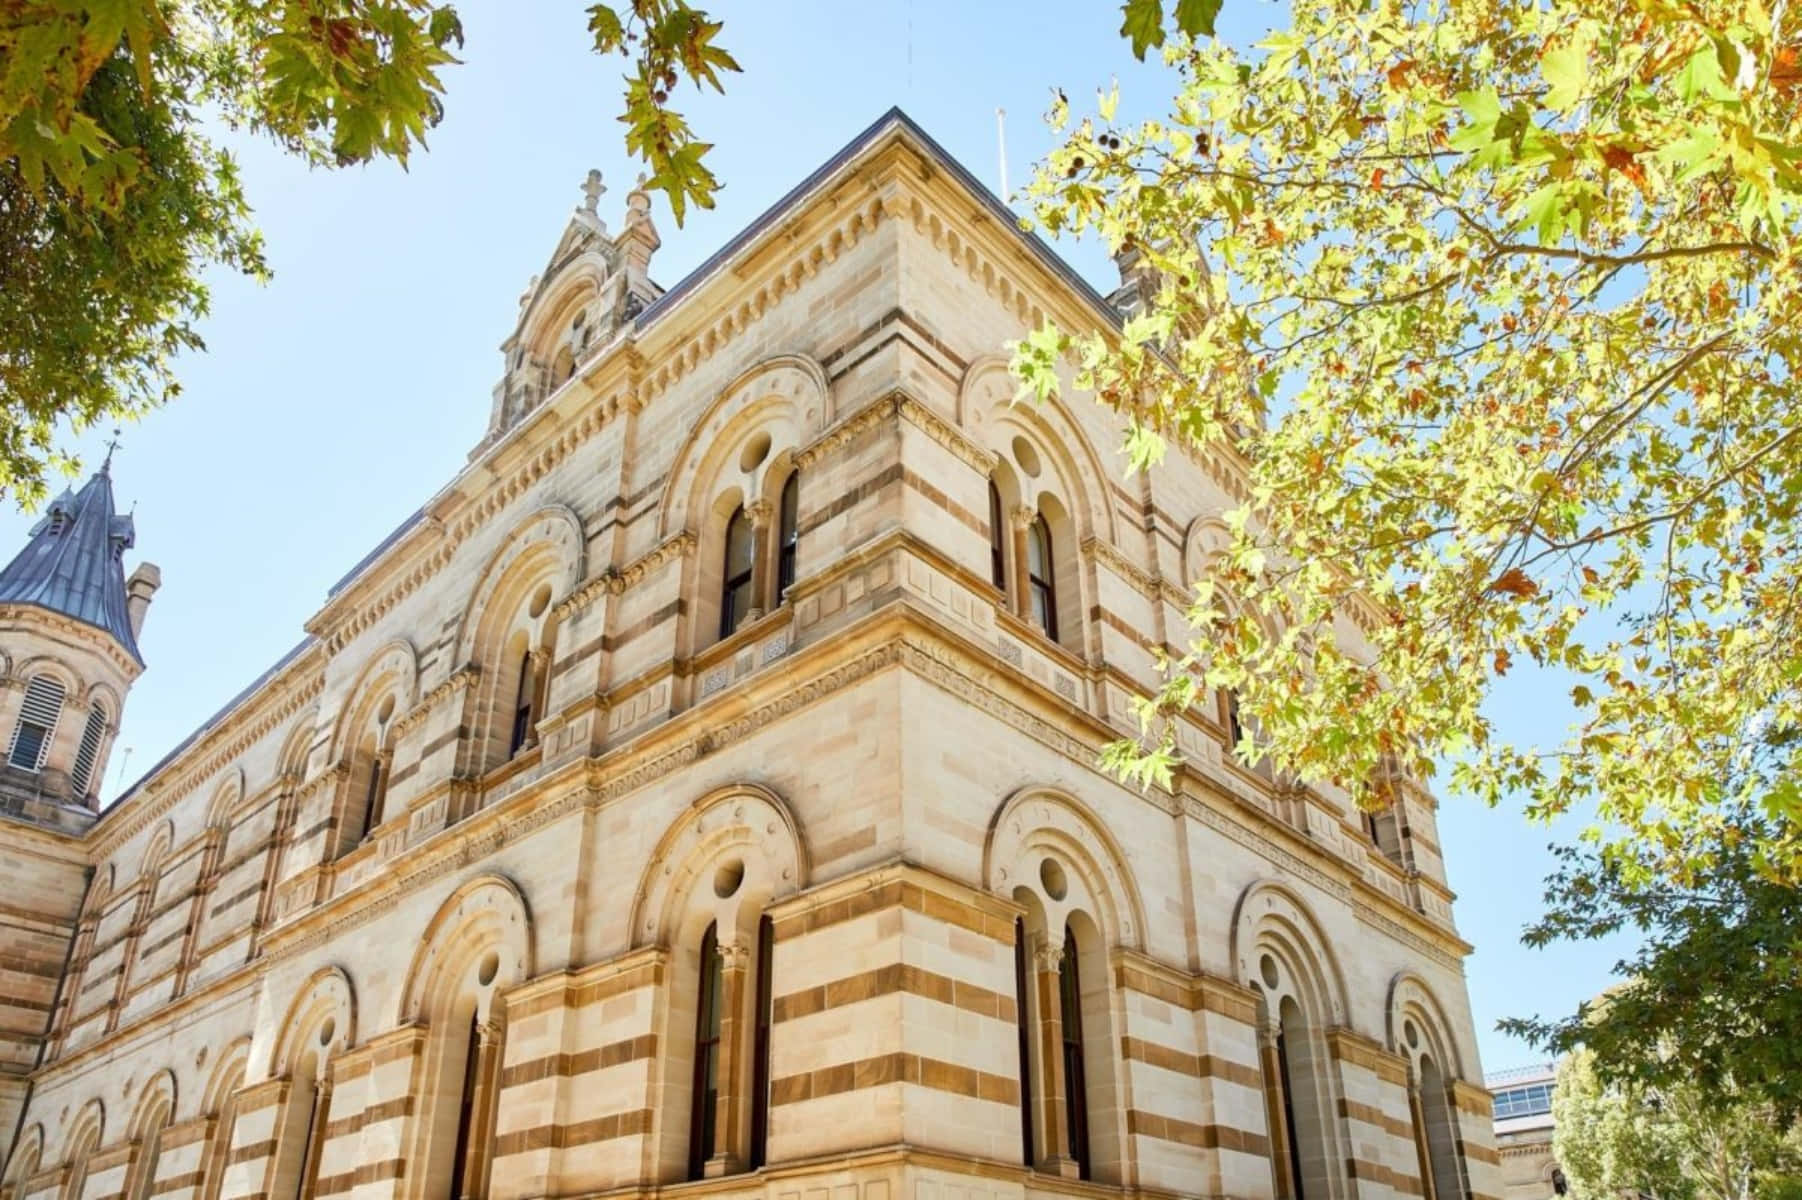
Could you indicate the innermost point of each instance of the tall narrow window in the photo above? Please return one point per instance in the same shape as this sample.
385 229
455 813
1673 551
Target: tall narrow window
1039 577
38 716
789 534
378 793
466 1114
1024 1033
312 1144
1076 1085
1286 1082
522 706
741 557
997 540
1235 724
89 750
760 1047
705 1102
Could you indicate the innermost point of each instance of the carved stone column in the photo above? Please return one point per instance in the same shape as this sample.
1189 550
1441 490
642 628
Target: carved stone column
1418 1118
1281 1161
203 892
128 955
763 560
734 1077
1054 1152
487 1104
539 663
1020 519
287 805
315 1143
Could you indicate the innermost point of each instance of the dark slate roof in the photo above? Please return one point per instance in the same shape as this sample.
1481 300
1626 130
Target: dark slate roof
72 564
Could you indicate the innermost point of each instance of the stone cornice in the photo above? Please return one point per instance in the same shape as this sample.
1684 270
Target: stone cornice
93 638
462 678
612 582
298 685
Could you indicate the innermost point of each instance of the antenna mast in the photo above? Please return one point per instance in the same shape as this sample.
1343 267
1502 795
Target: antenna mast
1001 145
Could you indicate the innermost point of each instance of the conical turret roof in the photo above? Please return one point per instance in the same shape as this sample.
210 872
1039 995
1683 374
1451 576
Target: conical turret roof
73 563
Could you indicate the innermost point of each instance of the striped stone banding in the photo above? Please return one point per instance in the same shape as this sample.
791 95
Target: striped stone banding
897 1067
375 1172
1200 1137
582 1133
897 893
581 1062
1195 1066
889 980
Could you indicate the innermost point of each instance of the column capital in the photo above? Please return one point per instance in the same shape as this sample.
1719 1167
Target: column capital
760 512
1021 516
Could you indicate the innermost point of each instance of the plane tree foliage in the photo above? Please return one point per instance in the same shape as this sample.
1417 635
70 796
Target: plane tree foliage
1495 304
1673 1142
116 195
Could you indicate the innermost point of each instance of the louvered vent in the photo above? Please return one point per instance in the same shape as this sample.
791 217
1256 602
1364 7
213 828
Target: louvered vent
89 749
37 722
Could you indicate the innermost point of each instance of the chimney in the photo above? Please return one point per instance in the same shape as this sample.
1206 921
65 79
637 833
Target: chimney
138 590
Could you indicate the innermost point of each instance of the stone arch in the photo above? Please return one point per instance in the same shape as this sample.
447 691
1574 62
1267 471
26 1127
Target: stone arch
393 669
547 543
297 746
739 816
157 850
571 289
44 664
786 396
986 408
1412 1000
158 1089
85 1131
1039 822
228 792
101 890
1206 539
220 1102
107 696
1271 916
487 913
509 632
27 1157
228 1075
326 996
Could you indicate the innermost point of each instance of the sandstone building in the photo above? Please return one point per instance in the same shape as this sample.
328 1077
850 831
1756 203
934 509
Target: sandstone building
698 795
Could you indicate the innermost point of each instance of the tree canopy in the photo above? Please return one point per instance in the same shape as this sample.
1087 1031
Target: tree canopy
1668 1143
115 196
1711 1001
1496 306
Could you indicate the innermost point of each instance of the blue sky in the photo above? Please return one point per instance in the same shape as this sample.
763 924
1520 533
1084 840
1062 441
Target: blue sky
335 400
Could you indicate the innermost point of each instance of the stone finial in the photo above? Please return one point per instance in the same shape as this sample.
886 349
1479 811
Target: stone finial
592 191
638 202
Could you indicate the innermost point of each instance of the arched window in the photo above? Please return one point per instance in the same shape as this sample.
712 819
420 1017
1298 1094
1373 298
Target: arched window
1076 1084
1022 1020
303 1133
705 1102
38 715
81 1149
788 534
149 1136
1286 1096
1040 576
760 1047
88 752
1436 1133
736 596
997 540
523 703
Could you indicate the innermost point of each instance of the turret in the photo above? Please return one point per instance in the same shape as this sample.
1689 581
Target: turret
69 625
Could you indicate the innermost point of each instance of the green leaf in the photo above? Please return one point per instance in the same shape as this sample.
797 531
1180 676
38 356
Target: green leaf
1196 17
1143 25
1566 70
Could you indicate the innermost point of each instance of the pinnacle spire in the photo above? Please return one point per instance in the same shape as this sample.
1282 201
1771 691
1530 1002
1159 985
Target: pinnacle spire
73 564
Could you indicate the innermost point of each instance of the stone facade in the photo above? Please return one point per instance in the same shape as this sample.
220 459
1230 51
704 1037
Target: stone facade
703 786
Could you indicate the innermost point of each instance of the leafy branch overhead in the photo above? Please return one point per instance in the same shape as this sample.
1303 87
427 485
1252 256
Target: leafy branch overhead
114 198
1496 308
